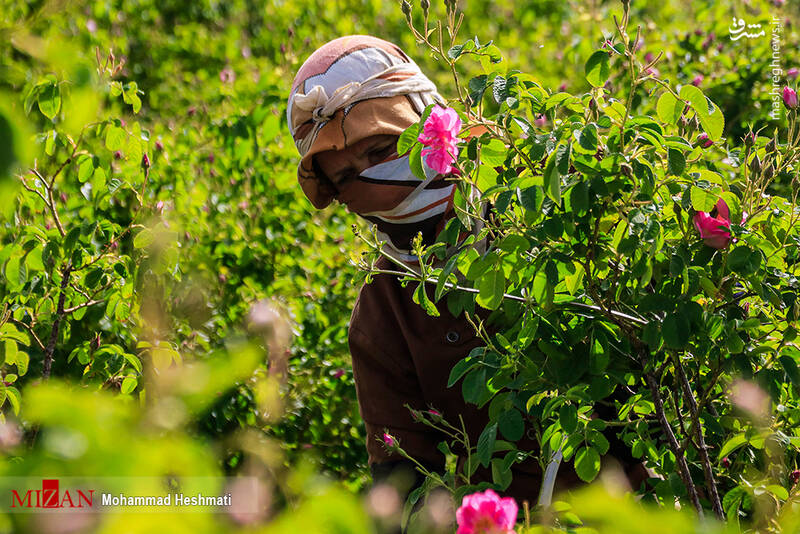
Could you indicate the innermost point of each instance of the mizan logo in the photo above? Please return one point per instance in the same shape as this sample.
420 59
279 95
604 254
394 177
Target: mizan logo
49 497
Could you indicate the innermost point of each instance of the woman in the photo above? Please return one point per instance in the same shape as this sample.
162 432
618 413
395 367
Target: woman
349 102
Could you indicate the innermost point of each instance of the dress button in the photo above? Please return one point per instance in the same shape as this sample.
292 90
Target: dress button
452 336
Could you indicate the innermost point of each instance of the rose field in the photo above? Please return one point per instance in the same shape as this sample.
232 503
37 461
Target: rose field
621 249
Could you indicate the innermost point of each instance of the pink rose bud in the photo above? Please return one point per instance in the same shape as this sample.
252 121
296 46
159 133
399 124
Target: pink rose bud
339 373
63 198
486 513
698 32
388 440
648 57
118 155
434 412
227 75
159 146
792 73
726 463
750 139
563 86
440 139
789 97
652 71
698 80
191 111
211 158
714 230
704 141
145 161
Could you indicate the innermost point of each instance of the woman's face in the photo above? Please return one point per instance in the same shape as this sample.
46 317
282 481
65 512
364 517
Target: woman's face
342 167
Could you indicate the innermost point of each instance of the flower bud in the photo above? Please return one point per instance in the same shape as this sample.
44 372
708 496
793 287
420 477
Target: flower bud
118 155
749 139
772 145
145 161
698 79
794 476
405 7
389 440
792 73
755 165
769 172
159 146
726 463
704 141
789 98
425 4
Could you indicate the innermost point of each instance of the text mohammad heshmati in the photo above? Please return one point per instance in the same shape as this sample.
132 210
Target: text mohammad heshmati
177 499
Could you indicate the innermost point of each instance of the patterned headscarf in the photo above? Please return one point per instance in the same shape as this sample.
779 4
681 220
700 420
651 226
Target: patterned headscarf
356 87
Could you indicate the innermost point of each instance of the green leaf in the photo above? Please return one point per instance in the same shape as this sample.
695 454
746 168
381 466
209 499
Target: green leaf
711 118
587 464
421 298
733 443
407 139
669 108
415 161
474 385
675 330
115 137
552 179
22 362
143 239
486 444
597 68
86 169
491 287
676 162
511 424
50 100
702 200
460 369
568 417
14 397
128 385
574 280
493 153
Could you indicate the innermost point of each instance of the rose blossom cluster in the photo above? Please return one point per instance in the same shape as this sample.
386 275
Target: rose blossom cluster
440 138
486 513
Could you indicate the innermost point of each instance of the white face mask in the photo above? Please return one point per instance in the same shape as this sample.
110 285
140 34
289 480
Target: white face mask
425 209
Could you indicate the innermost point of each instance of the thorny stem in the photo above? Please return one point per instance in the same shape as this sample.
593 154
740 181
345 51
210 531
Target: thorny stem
677 450
60 312
708 471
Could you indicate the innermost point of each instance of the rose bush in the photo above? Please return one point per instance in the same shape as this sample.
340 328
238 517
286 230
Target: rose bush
624 274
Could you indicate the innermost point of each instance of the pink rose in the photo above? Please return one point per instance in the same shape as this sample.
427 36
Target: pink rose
704 141
440 138
698 80
789 97
389 440
792 73
715 231
486 513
